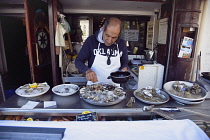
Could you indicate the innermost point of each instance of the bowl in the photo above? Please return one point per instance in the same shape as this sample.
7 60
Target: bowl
168 87
77 75
65 89
120 77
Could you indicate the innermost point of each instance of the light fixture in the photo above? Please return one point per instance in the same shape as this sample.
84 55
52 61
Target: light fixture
156 11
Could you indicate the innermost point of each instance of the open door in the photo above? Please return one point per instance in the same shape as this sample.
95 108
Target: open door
38 42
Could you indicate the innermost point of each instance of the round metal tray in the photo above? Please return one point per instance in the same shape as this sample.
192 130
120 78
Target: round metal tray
168 87
102 103
153 103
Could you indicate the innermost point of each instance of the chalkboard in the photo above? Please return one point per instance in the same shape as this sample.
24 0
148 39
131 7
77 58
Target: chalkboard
87 117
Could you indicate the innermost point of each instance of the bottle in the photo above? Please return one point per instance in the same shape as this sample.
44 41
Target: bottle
133 26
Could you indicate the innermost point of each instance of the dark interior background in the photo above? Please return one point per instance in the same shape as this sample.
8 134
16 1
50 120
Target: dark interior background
15 44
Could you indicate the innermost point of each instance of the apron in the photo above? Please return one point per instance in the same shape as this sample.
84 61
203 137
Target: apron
103 70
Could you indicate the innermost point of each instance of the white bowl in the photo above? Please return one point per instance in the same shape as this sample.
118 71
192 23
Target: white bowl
168 87
188 102
77 75
65 89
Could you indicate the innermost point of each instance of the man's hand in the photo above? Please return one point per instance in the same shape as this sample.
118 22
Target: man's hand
125 69
91 76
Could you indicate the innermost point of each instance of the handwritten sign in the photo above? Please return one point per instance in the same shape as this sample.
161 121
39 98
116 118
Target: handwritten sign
87 117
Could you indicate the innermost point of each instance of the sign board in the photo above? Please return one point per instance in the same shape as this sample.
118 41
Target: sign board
131 35
163 29
87 117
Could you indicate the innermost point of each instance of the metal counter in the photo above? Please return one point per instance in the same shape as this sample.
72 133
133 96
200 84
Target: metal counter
72 105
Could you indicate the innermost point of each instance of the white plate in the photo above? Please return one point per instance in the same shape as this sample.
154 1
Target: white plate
168 87
188 102
65 89
21 91
153 103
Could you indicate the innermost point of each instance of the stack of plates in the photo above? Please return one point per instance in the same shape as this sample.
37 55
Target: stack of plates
168 87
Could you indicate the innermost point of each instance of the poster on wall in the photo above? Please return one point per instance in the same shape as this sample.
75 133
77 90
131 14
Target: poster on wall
131 35
163 28
186 48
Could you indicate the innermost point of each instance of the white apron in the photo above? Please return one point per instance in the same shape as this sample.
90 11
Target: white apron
103 70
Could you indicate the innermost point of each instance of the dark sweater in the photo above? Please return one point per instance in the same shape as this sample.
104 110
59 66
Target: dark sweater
91 44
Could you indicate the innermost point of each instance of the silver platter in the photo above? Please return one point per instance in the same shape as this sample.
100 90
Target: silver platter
101 102
153 103
104 103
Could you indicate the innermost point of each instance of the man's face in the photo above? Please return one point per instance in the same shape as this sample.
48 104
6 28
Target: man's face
111 34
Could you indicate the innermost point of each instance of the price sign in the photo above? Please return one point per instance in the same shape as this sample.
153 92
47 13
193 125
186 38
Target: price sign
87 117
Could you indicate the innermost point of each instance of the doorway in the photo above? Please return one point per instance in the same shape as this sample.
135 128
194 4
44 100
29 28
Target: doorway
15 46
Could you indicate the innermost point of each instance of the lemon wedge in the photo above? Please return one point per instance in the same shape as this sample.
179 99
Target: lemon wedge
86 112
34 85
29 119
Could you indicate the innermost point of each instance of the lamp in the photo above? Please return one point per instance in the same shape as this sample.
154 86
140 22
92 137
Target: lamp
156 11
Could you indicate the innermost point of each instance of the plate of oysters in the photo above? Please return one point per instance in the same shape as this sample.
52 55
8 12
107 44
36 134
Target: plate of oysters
32 90
151 95
102 94
185 92
65 89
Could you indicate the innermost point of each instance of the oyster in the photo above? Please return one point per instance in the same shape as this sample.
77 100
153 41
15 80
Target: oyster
151 94
186 91
29 90
102 93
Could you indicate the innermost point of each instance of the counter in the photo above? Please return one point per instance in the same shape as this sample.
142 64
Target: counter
73 105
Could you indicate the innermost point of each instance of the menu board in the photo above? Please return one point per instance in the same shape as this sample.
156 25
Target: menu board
131 35
163 28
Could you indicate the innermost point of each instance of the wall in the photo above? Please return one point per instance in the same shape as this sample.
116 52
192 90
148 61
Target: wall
203 42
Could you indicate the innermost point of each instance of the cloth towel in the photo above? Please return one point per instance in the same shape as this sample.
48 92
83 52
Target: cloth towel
59 38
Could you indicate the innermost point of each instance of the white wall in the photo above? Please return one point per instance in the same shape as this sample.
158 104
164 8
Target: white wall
203 40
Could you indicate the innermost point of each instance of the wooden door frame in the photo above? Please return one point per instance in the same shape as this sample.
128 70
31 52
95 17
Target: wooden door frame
29 39
53 7
52 14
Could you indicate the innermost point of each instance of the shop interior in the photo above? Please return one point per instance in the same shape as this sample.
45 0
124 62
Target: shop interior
82 25
138 41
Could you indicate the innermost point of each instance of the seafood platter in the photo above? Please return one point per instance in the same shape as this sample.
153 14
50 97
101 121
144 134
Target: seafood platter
185 92
65 89
150 95
102 94
32 90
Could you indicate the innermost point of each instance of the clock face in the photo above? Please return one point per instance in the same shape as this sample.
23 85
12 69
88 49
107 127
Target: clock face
42 38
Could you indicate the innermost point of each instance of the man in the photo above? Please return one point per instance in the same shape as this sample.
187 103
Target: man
105 53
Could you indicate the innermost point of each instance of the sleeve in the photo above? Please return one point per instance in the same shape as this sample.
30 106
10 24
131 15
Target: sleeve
124 57
82 57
